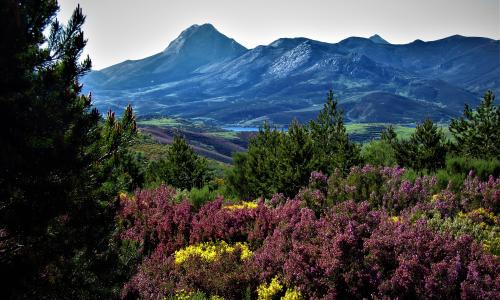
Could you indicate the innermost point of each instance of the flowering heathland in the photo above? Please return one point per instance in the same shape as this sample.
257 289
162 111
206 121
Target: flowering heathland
370 234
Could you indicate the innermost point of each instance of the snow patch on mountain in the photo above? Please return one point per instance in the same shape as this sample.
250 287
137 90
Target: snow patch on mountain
290 60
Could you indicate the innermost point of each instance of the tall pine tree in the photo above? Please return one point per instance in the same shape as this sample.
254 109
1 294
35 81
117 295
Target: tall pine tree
477 132
55 216
333 149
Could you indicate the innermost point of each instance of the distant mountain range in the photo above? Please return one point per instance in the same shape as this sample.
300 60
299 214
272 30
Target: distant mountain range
205 75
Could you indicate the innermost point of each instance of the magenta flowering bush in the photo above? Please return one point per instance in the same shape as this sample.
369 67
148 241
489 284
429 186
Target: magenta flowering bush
477 193
152 217
382 187
336 239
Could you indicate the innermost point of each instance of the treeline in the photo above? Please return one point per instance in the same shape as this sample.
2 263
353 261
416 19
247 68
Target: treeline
279 161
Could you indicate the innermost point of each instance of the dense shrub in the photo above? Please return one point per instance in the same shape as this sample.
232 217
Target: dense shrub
481 167
482 225
282 247
379 153
383 187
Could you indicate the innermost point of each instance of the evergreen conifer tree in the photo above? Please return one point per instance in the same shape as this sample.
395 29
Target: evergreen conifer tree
56 215
477 132
182 167
295 162
425 150
332 147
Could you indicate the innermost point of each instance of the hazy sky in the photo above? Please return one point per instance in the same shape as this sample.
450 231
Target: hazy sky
131 29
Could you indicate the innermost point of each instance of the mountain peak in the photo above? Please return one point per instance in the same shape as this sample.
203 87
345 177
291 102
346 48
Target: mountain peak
203 28
377 39
205 36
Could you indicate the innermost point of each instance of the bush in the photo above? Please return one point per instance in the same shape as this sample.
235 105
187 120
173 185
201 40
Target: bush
481 167
348 251
379 153
198 197
382 187
482 225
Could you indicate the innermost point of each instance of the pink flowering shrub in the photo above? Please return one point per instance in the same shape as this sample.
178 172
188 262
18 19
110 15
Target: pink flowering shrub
382 187
152 217
336 239
477 193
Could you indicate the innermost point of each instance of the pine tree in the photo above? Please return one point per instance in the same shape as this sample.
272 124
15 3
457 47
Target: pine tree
477 132
333 149
56 216
388 134
255 171
182 167
425 150
295 162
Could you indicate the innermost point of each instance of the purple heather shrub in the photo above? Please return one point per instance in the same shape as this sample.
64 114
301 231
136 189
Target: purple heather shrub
477 193
313 199
319 181
406 194
277 200
214 222
350 250
155 278
152 217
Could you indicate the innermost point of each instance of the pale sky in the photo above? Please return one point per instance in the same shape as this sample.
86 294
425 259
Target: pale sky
118 30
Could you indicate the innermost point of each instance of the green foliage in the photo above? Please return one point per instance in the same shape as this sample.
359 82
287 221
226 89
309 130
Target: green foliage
378 153
181 168
62 166
332 147
255 172
481 167
458 167
296 160
209 192
477 132
480 224
425 150
282 162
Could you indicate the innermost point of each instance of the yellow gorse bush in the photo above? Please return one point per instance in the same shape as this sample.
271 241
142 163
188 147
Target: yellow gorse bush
242 205
292 294
182 295
487 215
394 219
210 251
267 292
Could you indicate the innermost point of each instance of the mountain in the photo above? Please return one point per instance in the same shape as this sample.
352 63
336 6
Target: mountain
377 39
205 75
194 47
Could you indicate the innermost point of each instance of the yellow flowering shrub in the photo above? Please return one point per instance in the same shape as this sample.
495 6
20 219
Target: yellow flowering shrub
292 294
183 295
394 219
210 251
485 215
267 292
242 205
